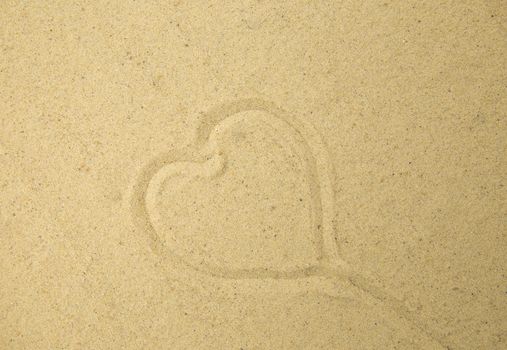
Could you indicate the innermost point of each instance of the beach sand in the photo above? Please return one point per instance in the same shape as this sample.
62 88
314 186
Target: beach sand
253 175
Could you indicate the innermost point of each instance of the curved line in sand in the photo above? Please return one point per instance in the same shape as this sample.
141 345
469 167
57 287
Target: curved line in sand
320 175
328 276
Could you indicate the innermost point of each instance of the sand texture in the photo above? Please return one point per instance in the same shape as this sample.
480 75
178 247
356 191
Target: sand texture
253 175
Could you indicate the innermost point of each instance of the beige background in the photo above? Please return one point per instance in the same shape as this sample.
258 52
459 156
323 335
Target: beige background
410 96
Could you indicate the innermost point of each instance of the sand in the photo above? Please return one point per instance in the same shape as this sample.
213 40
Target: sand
253 175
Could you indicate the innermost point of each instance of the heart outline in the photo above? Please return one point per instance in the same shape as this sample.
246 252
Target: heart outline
322 180
333 276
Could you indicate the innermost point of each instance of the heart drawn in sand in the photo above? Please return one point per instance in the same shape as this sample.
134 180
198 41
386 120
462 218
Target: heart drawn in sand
251 198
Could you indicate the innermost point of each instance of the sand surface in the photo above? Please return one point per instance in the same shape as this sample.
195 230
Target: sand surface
253 175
